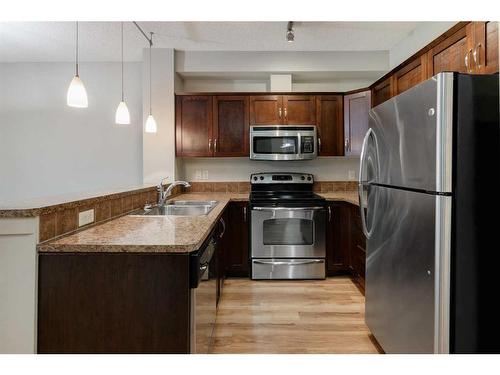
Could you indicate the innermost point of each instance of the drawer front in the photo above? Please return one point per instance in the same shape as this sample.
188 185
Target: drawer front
281 268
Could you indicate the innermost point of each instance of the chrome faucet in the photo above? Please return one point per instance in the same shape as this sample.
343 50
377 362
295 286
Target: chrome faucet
164 194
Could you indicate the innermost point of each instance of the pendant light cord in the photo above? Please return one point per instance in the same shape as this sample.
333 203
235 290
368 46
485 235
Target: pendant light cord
150 45
122 64
77 48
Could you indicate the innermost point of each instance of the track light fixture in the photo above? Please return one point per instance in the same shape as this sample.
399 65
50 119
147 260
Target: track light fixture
290 35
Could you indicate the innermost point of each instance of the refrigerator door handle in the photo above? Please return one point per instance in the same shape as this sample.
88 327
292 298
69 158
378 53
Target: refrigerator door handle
362 182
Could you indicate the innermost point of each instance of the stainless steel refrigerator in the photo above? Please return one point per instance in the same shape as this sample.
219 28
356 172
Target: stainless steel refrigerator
429 175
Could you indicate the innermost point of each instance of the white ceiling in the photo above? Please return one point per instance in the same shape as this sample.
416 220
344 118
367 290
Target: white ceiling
100 41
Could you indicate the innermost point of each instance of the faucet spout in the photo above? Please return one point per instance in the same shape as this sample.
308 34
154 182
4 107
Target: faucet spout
165 194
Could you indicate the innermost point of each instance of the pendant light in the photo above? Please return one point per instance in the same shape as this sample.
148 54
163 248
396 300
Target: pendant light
122 115
150 126
77 95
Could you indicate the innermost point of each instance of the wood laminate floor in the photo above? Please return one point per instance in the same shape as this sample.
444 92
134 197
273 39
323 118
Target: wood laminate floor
325 316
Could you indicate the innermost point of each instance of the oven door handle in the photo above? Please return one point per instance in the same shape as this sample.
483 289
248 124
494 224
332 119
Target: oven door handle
281 263
288 208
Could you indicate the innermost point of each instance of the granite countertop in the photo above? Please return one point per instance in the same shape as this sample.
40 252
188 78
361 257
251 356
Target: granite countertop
154 234
350 196
36 206
158 234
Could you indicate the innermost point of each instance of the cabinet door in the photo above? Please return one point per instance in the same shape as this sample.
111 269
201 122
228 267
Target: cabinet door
485 49
193 125
337 239
357 246
222 245
382 91
231 126
410 75
236 248
329 125
299 110
356 109
454 54
266 110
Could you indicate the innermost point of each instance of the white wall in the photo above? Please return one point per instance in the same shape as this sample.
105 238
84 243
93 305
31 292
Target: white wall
48 148
159 148
239 169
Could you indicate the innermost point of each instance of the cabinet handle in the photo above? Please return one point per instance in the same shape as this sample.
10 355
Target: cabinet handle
223 228
244 214
347 145
215 145
476 56
319 144
210 144
279 112
285 113
467 60
329 214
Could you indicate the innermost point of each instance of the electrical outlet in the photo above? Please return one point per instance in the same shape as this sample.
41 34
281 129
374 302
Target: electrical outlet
205 175
352 175
85 217
197 175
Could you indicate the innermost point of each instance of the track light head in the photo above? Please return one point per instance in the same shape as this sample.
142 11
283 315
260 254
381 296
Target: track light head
290 35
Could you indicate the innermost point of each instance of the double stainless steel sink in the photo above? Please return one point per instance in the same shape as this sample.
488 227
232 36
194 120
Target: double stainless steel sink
180 208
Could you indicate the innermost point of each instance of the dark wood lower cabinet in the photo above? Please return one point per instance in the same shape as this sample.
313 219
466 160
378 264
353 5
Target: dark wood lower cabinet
357 246
236 243
345 242
113 303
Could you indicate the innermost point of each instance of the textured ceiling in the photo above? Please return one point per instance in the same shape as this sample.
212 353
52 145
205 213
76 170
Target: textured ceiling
100 41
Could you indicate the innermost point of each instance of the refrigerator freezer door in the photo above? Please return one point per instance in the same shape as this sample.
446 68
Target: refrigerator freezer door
400 270
414 134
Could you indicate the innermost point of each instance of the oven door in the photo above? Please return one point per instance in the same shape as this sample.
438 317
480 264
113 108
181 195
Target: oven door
288 232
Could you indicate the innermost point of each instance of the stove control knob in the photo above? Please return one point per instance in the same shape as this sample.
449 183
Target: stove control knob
261 178
255 178
302 177
308 178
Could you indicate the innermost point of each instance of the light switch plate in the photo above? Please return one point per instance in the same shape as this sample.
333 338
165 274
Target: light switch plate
352 175
85 217
205 175
197 175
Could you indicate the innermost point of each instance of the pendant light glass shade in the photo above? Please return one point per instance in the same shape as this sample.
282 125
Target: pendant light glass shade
150 126
77 95
122 115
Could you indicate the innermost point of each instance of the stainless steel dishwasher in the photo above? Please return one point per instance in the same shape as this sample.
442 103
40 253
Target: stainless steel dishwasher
203 283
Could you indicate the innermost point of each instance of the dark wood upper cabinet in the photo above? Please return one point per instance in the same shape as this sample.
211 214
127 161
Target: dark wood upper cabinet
193 125
410 75
382 91
282 110
231 125
454 54
266 110
298 110
485 47
356 111
329 125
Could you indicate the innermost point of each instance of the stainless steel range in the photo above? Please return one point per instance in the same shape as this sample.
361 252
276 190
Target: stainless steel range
287 227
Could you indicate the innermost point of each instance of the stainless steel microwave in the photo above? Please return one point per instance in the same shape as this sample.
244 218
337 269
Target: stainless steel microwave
283 142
